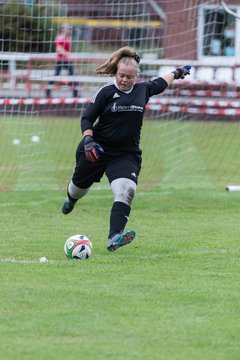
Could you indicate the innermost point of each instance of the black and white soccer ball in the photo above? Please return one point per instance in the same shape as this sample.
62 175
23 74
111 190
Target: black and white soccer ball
78 247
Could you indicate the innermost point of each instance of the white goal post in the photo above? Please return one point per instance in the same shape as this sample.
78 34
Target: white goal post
229 11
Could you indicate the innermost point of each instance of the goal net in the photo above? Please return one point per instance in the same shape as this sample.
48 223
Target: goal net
190 135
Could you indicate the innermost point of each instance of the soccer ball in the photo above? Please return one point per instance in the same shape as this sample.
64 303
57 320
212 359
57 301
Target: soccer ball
78 247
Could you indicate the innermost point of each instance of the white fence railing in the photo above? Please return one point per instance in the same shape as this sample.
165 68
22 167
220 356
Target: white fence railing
23 66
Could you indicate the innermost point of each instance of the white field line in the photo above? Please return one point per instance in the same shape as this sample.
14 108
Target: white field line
33 202
107 196
208 252
120 256
12 260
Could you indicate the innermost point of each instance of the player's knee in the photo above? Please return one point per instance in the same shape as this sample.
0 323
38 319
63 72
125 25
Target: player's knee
130 193
124 190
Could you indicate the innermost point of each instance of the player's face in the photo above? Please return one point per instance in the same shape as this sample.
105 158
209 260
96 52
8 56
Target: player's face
126 77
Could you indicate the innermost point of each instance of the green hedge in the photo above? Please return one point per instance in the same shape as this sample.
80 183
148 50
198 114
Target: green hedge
27 28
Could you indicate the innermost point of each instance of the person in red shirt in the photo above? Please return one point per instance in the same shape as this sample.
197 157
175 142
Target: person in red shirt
63 49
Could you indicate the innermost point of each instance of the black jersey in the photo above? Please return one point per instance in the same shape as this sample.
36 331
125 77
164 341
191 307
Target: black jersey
119 115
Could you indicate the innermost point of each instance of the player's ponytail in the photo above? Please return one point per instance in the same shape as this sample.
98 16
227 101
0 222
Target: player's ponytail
110 66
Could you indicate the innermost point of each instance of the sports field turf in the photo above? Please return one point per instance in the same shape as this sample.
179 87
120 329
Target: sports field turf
173 294
179 154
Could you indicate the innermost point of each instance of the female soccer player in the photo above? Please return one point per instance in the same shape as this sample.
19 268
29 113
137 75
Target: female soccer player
111 127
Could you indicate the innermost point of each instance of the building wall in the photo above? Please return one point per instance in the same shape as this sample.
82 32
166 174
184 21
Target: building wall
177 35
181 28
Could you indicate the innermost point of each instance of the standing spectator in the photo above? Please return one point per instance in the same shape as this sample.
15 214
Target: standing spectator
63 49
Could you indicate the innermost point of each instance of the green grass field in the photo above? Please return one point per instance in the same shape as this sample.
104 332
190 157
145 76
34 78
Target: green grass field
178 154
173 294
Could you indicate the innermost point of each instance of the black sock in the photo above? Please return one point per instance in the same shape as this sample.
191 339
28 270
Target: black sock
118 217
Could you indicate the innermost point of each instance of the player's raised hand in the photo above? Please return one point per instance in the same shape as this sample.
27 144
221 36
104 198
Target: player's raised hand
92 149
181 73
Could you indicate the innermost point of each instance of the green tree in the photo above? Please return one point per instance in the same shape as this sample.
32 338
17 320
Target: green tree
26 28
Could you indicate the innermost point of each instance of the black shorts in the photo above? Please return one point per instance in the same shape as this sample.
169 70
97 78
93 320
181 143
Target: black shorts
114 166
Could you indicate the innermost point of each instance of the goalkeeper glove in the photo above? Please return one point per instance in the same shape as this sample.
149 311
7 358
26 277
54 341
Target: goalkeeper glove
180 73
92 149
